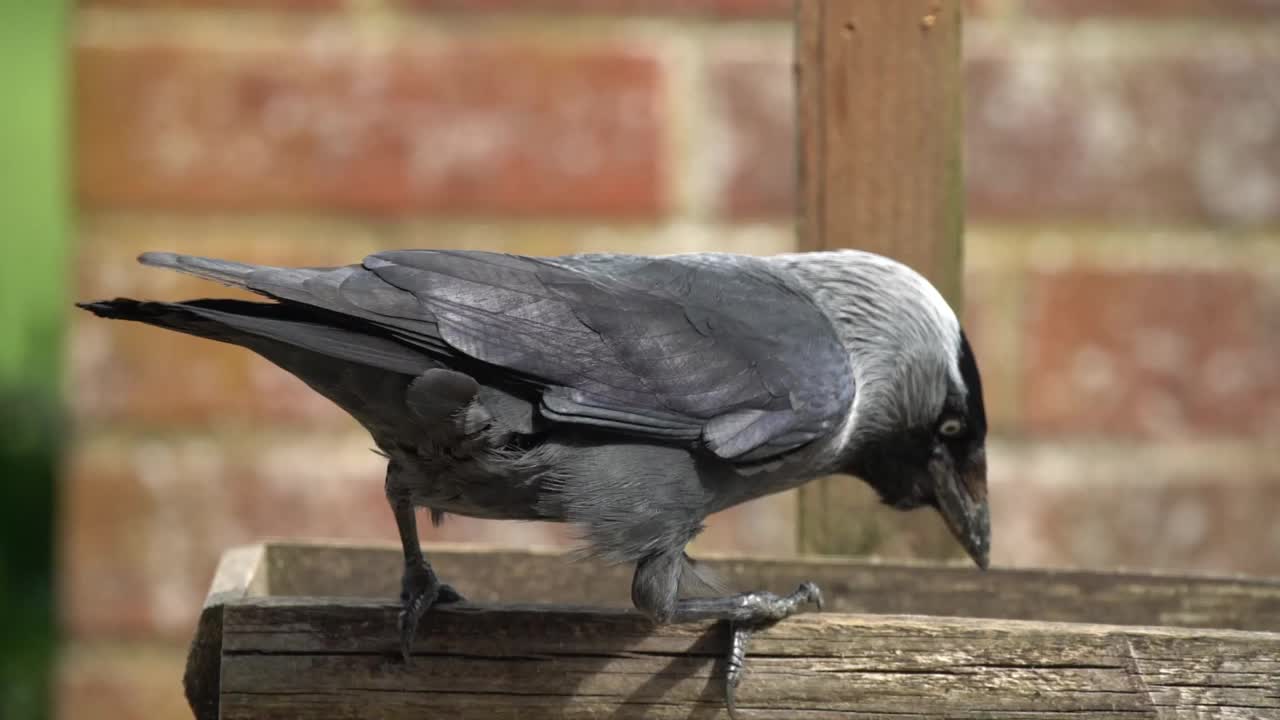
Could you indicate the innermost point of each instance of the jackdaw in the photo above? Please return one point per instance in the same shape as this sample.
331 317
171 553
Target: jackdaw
632 396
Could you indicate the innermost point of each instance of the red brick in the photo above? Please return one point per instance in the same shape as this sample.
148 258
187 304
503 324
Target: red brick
991 305
1221 525
156 378
141 375
770 9
720 8
1056 127
121 682
753 132
1116 127
327 119
246 4
1153 354
1245 9
145 518
724 8
988 8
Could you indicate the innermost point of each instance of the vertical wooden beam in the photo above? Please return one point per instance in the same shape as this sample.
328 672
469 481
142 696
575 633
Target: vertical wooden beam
879 100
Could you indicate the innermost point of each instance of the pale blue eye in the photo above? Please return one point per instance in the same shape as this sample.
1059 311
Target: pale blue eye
951 427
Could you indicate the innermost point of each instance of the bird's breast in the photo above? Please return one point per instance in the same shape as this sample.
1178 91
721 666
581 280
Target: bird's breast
492 484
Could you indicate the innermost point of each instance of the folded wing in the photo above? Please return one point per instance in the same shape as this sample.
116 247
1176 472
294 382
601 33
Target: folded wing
716 349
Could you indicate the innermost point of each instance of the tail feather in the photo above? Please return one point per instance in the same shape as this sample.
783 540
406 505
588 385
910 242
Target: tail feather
248 324
317 287
224 271
318 295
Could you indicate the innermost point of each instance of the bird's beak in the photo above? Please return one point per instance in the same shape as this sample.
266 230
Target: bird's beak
962 500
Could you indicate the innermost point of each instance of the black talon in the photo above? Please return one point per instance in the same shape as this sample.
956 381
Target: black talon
739 634
655 588
447 595
775 609
420 588
421 591
812 593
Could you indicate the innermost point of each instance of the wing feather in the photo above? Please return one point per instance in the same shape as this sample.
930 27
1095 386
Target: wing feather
713 348
717 348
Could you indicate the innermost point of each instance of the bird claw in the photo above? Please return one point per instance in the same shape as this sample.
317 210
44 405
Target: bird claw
446 594
740 633
808 592
420 591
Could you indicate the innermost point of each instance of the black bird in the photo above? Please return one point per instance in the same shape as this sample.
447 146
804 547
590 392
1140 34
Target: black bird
632 396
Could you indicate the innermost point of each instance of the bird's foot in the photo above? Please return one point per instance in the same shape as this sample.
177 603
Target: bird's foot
768 609
420 591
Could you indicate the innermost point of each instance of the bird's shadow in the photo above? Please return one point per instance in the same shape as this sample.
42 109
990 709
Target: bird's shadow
674 685
710 648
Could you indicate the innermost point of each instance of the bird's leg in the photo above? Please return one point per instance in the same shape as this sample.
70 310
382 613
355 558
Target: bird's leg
655 589
419 587
746 612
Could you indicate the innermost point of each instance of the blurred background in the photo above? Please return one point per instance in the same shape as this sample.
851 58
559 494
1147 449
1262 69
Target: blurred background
1122 270
36 216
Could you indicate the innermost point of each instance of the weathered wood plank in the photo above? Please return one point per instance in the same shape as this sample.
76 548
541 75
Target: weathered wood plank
879 117
491 575
315 658
239 573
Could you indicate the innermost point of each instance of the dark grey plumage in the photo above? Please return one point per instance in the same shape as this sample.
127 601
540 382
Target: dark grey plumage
632 396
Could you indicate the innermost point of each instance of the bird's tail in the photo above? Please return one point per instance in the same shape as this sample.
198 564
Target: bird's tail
224 271
315 287
264 327
172 316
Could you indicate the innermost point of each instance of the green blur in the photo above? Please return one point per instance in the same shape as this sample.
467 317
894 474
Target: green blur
35 224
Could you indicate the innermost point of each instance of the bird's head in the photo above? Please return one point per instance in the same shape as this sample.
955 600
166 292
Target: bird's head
917 429
933 453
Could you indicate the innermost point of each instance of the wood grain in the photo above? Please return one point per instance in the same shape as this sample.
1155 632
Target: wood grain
493 575
879 113
240 574
304 658
269 646
880 88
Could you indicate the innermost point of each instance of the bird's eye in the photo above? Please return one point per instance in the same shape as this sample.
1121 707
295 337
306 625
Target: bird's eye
951 427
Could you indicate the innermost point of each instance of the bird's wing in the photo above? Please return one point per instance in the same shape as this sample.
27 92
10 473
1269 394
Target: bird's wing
716 348
710 348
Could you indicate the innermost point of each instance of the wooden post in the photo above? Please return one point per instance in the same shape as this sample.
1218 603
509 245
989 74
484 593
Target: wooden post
879 115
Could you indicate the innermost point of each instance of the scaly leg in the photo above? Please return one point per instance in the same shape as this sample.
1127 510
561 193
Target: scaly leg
654 591
420 589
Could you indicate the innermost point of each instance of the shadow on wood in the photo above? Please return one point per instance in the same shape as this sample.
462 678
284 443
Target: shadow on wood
299 631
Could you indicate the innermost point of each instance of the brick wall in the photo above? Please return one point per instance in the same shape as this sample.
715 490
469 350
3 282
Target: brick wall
1123 260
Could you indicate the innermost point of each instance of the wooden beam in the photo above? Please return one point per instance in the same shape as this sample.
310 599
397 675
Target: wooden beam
309 630
310 658
241 574
492 575
879 90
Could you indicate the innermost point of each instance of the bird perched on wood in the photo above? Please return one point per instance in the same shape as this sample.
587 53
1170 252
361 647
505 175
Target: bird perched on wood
632 396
